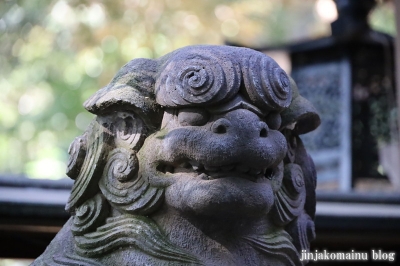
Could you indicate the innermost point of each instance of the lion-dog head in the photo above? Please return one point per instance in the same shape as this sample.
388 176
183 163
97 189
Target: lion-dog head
192 159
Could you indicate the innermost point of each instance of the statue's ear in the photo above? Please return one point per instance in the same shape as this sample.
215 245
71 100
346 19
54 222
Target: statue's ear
301 113
105 159
87 157
120 182
132 89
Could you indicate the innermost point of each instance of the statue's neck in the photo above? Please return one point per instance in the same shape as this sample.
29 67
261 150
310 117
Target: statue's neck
214 241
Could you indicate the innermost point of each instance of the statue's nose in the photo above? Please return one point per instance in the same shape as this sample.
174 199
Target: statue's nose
246 128
241 136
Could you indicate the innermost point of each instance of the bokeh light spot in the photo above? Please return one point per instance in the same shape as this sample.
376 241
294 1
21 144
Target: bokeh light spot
26 130
143 52
72 76
191 22
59 121
128 47
48 168
230 28
326 10
109 44
94 15
26 104
63 14
14 15
82 120
223 12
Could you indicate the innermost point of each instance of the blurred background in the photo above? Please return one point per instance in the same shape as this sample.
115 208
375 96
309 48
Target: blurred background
55 54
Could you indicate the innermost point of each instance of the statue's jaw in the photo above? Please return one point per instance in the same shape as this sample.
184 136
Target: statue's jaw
231 190
193 169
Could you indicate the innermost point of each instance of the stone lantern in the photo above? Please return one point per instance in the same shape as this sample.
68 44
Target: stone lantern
349 77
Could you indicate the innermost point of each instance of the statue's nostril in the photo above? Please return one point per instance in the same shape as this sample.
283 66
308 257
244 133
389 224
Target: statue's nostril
220 129
263 133
263 130
221 126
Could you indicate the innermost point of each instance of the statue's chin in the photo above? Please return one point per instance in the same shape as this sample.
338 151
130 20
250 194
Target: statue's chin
223 197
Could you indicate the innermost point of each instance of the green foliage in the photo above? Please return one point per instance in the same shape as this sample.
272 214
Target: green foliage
382 18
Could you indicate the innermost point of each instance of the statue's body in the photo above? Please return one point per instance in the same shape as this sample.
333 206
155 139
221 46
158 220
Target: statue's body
192 159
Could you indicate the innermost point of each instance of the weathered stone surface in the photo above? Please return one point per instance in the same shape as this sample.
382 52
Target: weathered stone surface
192 159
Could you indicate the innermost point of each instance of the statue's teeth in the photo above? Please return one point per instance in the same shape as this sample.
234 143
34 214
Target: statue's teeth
169 168
196 166
204 176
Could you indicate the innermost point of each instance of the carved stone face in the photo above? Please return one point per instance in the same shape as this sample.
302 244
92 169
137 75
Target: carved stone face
193 159
215 162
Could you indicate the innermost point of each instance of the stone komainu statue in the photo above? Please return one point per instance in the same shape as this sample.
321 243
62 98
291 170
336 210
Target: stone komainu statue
192 159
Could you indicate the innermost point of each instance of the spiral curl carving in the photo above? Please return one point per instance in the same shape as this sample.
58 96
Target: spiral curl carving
90 215
121 165
290 199
266 83
129 131
77 152
197 78
123 188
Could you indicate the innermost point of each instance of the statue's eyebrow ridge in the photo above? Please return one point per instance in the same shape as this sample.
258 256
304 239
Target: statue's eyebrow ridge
237 103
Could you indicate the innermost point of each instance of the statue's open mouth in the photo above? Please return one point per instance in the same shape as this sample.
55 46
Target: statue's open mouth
207 172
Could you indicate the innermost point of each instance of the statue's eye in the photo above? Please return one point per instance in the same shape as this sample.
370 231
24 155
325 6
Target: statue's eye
193 117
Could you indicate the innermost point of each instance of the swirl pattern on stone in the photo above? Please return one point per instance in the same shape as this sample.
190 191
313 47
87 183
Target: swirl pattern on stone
278 245
77 152
129 131
90 215
290 199
266 83
132 231
121 165
123 188
196 78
